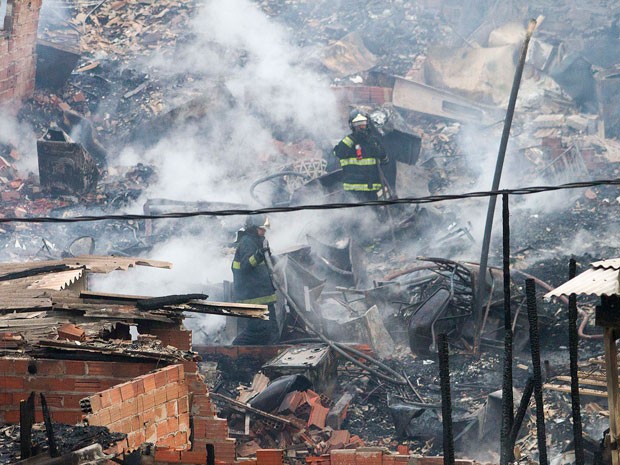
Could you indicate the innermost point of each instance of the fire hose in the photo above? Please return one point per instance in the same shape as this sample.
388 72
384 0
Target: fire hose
344 350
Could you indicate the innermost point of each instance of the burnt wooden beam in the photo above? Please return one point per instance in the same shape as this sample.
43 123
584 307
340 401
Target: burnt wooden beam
191 305
49 428
26 420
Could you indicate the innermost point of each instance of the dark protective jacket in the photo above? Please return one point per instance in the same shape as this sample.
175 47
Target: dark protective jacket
251 279
360 153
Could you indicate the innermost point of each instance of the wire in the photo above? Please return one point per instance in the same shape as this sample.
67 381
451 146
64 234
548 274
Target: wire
327 206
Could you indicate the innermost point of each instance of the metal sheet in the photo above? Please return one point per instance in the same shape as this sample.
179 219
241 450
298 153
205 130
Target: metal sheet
607 264
57 281
422 98
595 281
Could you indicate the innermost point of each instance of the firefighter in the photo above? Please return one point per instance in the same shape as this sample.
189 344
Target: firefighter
252 281
360 155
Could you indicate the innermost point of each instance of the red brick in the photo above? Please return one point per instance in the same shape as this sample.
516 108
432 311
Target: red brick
171 408
160 379
88 384
149 383
11 382
115 395
368 457
139 385
116 413
128 391
343 457
150 433
11 416
172 392
183 404
167 454
269 456
96 402
148 401
184 422
135 439
173 374
160 396
136 425
388 459
162 429
101 369
195 457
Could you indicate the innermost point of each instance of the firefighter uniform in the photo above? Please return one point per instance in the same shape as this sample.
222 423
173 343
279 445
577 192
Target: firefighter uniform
252 285
359 154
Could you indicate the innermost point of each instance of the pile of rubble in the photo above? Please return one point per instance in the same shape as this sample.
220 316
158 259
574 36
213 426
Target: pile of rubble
383 56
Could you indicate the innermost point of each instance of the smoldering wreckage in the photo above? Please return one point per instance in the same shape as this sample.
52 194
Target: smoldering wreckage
389 352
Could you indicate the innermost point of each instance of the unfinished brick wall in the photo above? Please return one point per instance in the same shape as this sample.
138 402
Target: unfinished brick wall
206 428
18 50
63 382
150 408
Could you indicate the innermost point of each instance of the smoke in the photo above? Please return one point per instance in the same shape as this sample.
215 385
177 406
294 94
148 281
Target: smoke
216 158
21 137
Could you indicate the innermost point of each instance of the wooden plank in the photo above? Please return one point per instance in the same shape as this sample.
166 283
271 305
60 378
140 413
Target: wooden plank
585 392
249 408
586 381
611 367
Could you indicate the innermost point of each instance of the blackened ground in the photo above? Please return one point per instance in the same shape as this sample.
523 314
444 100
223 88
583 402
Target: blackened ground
68 439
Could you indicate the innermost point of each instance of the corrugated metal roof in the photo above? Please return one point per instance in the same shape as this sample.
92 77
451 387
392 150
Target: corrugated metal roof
93 263
610 263
56 281
601 279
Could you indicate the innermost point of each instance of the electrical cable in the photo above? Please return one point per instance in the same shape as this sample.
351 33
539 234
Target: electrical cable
327 206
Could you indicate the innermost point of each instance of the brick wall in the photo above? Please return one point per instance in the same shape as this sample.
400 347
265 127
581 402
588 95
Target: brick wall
18 51
206 428
150 408
63 382
376 456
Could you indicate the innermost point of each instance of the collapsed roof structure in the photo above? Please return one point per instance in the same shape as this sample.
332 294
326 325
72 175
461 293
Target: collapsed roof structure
124 118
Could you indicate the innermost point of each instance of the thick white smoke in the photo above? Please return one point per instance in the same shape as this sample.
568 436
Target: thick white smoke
253 57
21 136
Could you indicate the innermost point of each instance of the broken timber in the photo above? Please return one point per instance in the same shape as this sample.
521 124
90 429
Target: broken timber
251 409
192 305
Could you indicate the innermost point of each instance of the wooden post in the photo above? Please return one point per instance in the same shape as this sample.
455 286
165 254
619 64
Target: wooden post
611 362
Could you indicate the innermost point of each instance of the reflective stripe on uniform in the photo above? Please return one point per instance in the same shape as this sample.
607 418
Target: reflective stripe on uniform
348 141
253 261
355 161
236 265
362 187
261 300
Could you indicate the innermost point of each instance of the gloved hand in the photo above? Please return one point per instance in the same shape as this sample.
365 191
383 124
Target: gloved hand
265 248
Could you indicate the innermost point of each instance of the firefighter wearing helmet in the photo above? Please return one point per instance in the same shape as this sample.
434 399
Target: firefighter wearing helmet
359 154
252 281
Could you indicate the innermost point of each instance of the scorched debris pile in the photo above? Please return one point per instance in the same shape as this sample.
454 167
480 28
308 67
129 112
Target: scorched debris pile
357 376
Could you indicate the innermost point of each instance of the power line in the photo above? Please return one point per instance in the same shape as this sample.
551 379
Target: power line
327 206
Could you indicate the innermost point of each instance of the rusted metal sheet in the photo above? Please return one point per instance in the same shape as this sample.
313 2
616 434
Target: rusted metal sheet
601 279
65 167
